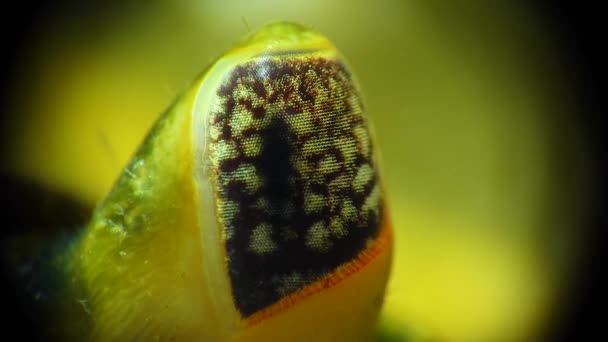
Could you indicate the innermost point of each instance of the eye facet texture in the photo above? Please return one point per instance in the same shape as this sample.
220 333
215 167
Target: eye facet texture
296 186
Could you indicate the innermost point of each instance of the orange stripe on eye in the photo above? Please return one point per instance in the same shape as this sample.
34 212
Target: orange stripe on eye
342 272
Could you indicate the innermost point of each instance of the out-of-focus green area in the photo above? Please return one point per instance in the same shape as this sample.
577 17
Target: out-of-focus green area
469 110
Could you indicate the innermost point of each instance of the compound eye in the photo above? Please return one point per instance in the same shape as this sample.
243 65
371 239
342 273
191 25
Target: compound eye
292 166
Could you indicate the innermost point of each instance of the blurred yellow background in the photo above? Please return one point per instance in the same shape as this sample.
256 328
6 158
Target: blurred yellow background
469 109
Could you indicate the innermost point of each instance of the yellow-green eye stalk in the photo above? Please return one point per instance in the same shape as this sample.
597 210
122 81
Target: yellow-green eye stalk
253 211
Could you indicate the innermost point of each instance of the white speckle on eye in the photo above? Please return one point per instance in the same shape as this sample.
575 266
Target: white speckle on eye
337 228
339 183
289 283
261 240
224 150
372 202
218 105
262 71
348 211
214 132
229 209
348 149
247 174
313 202
314 146
364 175
252 145
362 140
302 165
242 118
317 238
329 164
300 122
242 91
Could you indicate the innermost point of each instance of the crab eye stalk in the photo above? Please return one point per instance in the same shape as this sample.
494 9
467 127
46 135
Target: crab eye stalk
253 211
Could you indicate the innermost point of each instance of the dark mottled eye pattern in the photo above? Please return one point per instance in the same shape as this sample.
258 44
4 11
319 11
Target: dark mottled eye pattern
296 186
